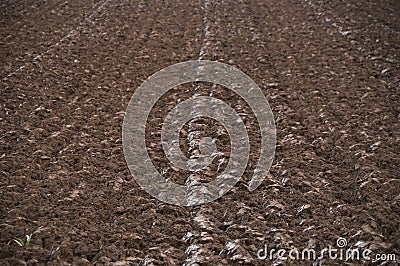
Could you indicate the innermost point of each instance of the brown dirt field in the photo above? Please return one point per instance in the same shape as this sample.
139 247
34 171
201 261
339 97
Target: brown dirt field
330 72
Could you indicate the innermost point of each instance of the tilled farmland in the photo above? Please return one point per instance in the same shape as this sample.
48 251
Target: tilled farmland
330 73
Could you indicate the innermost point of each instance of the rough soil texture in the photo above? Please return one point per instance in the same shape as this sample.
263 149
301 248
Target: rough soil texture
329 69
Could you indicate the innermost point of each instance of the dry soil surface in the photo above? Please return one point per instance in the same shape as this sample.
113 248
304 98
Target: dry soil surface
329 70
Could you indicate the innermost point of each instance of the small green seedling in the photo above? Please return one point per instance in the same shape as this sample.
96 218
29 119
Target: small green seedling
23 243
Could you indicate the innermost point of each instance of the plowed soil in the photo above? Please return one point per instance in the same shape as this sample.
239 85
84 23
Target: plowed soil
330 72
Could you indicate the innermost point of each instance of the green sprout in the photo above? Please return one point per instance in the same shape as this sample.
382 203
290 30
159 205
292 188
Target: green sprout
23 243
